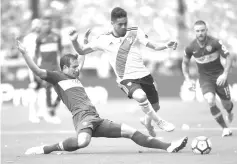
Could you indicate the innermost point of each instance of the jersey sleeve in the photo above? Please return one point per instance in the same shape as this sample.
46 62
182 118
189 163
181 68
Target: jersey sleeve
98 43
188 52
141 36
52 77
222 49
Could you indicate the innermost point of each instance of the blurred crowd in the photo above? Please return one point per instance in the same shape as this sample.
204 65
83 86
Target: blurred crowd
161 21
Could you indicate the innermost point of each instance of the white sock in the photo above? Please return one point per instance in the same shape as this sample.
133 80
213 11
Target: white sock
149 111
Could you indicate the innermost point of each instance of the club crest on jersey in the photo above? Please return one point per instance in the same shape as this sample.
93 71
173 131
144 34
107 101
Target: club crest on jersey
208 48
130 39
129 84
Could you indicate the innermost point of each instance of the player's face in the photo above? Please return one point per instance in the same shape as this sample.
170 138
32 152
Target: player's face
46 25
120 26
73 70
201 32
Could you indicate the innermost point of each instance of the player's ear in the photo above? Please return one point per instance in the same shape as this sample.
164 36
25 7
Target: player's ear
65 67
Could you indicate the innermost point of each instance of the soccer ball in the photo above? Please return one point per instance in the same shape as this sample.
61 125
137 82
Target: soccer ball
201 145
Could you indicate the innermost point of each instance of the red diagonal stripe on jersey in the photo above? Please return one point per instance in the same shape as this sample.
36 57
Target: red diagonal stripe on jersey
123 53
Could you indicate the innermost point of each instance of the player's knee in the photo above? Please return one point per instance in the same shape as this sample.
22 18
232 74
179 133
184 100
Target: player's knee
127 131
210 98
139 95
83 140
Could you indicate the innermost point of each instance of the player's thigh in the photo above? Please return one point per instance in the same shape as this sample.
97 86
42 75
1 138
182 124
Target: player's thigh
108 129
132 89
223 92
208 90
151 94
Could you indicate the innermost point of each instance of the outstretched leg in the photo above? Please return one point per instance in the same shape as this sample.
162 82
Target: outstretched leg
71 144
110 129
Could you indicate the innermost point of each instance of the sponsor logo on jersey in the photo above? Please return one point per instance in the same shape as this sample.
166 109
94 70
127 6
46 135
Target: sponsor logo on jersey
130 39
70 83
129 84
48 47
207 58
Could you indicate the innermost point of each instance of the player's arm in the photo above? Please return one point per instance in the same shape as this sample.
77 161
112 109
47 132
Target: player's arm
81 50
185 67
229 59
81 58
60 48
143 39
37 51
29 61
161 46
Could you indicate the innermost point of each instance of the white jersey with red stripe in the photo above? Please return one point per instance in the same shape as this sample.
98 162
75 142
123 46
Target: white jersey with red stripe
124 53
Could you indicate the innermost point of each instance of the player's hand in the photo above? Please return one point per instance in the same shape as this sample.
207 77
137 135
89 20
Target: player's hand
172 44
221 79
20 47
32 85
73 34
86 36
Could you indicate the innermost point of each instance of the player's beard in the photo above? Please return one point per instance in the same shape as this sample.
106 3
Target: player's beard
122 33
201 38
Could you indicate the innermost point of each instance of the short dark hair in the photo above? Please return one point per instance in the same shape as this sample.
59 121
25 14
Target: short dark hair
200 22
65 60
118 12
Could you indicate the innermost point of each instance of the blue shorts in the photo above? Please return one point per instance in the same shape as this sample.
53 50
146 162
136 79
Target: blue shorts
210 86
146 84
100 127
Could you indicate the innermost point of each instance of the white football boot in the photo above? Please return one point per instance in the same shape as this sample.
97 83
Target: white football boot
166 126
35 150
177 145
226 132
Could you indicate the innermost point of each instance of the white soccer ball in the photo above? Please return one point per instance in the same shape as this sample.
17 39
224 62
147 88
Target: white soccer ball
201 145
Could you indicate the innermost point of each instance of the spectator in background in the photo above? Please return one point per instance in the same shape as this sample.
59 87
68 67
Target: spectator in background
47 55
30 42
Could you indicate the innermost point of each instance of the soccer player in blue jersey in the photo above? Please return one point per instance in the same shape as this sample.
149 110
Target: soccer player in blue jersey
86 120
123 46
207 50
47 54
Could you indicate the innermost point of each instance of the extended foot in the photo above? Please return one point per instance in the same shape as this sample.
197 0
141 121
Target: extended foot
35 150
177 145
149 127
164 125
226 132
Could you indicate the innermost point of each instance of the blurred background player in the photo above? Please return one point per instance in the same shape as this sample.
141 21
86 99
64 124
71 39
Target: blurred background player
207 51
47 54
123 46
30 43
87 121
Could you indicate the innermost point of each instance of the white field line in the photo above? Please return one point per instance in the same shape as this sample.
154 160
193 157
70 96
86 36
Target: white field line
72 131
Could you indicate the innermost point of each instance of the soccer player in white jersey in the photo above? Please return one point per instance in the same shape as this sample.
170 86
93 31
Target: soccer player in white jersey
122 45
86 119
